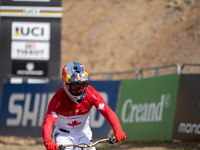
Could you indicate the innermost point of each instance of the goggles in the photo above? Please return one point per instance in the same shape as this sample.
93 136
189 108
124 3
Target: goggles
78 89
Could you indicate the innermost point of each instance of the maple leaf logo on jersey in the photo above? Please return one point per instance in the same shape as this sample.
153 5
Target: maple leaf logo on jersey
74 123
101 106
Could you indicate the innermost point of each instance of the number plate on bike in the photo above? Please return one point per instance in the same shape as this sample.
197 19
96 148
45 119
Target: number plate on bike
90 148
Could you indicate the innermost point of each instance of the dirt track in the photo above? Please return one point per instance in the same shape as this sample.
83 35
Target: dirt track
20 143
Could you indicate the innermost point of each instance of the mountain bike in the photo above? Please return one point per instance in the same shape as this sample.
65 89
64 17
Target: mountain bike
92 146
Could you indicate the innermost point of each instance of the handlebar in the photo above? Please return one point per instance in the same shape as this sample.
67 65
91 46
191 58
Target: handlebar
109 140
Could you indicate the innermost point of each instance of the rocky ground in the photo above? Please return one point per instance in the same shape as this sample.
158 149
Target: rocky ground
120 35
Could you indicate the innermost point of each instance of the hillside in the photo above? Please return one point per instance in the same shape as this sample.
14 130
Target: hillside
117 35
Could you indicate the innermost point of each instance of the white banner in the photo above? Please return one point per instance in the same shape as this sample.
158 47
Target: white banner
30 50
31 11
37 31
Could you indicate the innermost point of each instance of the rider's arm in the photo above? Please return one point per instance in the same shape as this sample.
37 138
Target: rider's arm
106 111
50 117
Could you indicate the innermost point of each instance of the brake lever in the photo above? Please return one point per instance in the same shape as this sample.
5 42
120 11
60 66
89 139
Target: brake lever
112 140
61 147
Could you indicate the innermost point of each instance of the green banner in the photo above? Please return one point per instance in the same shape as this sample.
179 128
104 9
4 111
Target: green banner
146 107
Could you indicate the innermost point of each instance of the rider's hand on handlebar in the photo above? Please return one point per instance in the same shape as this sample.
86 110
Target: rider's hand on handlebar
120 136
51 145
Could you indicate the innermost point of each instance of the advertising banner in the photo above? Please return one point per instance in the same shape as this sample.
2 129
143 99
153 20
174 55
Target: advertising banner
30 30
52 3
31 11
146 107
30 50
36 40
30 68
23 107
187 122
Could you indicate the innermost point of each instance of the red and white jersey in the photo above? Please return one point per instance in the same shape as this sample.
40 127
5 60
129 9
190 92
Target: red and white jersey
68 115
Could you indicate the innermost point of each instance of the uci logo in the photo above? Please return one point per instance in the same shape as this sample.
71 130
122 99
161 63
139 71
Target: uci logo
36 31
31 31
31 11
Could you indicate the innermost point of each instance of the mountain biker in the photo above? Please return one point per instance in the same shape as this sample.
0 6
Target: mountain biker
69 109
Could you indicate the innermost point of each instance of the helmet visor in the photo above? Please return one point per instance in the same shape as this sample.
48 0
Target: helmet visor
78 89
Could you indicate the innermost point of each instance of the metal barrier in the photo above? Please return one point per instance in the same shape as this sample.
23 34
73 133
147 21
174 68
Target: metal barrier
110 74
157 69
189 64
139 74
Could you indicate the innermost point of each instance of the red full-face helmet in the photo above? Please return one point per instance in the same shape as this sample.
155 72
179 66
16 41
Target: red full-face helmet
75 81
